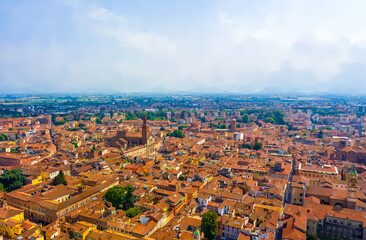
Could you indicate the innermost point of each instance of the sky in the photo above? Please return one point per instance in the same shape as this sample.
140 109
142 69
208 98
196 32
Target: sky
220 46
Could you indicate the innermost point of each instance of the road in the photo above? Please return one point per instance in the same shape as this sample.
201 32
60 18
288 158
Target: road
288 194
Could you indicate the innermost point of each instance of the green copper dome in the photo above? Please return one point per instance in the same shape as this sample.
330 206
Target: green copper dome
353 171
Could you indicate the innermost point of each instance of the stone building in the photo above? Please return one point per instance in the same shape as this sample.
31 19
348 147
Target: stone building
125 139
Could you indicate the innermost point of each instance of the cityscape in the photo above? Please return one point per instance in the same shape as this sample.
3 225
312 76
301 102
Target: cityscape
182 167
183 120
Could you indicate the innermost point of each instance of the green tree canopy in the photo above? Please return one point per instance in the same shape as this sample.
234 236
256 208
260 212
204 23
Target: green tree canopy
245 118
12 180
2 188
320 134
152 116
59 179
98 120
132 212
130 116
247 145
272 116
3 137
176 134
209 225
257 146
121 197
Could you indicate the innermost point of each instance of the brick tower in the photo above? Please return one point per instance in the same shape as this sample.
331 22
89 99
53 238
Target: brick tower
145 131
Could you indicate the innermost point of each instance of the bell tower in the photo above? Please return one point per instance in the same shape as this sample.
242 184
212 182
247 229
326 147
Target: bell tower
233 125
145 131
352 183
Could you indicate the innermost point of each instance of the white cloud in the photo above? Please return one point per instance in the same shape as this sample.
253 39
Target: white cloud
223 18
237 47
101 14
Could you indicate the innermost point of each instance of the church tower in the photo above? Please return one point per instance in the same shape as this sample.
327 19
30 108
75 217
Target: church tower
233 125
145 131
352 183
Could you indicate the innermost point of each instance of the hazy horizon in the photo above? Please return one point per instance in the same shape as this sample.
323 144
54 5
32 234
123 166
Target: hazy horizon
248 47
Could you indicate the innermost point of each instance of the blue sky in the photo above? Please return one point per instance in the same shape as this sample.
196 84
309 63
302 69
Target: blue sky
273 46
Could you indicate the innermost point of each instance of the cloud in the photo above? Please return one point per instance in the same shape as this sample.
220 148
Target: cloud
223 18
237 47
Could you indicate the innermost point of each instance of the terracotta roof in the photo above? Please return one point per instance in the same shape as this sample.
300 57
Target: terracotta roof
8 211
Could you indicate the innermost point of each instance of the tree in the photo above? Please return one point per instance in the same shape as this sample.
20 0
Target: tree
132 212
121 197
247 145
176 134
3 137
130 116
209 225
310 237
59 179
98 120
320 134
245 118
94 149
114 195
12 180
181 127
291 127
278 117
257 146
128 199
269 120
258 123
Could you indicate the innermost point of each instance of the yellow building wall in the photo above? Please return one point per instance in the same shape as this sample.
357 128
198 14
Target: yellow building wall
5 229
38 180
